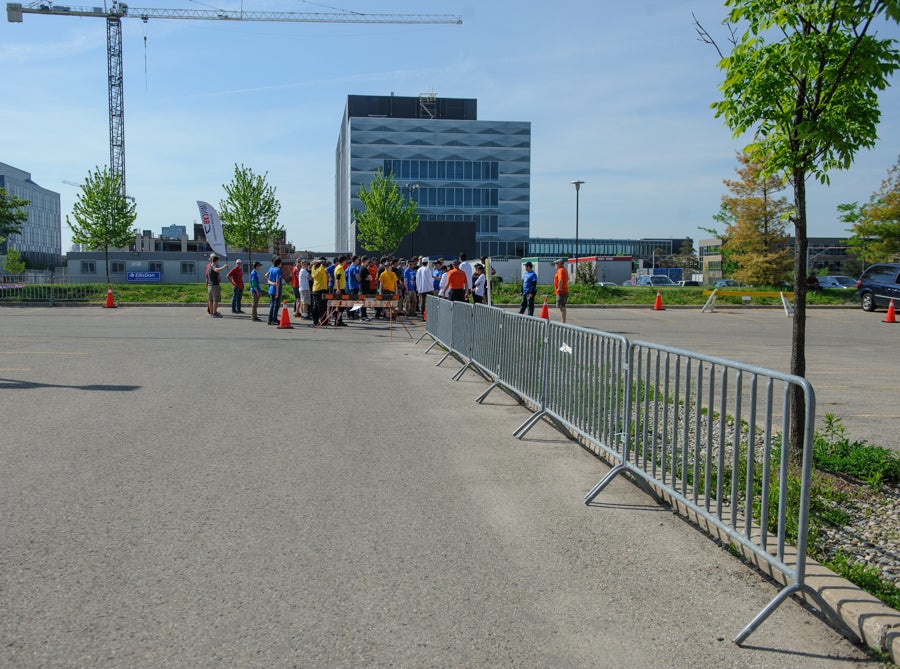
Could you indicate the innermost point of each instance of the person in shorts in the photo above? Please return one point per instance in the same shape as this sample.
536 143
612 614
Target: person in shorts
213 286
561 287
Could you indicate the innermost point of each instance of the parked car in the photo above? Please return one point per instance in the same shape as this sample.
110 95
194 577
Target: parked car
878 285
837 281
609 283
655 280
688 282
726 283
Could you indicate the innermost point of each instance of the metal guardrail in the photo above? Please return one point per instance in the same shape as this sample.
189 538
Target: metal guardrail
706 433
28 289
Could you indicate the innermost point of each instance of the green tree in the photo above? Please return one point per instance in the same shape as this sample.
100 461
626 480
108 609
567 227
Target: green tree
250 211
13 263
103 215
803 77
388 216
12 214
876 225
758 237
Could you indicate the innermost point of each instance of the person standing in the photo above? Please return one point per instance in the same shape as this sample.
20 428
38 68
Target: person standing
529 289
479 287
409 285
424 283
457 284
294 276
319 288
213 286
255 291
275 281
236 276
305 289
561 287
466 267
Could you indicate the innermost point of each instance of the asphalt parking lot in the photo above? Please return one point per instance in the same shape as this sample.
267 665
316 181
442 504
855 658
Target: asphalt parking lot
852 357
181 491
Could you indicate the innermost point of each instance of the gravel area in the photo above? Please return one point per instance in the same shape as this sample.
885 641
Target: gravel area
872 534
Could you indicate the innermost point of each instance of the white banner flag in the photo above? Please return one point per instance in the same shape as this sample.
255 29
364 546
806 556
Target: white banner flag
212 228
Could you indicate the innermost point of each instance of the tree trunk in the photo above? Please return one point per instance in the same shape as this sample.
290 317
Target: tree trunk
798 335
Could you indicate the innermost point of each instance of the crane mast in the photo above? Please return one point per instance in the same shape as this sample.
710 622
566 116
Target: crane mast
120 10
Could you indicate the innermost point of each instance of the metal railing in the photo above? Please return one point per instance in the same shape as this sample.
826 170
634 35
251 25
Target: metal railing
30 289
704 433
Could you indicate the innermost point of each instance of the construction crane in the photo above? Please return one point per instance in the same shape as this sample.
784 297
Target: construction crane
120 10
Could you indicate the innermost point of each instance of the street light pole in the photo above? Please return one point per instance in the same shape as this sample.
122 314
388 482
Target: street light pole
577 183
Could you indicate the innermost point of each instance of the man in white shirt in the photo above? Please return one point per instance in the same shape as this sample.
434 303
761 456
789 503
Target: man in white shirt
467 268
424 283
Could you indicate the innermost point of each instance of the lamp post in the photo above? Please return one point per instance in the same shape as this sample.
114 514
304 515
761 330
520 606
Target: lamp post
410 189
577 183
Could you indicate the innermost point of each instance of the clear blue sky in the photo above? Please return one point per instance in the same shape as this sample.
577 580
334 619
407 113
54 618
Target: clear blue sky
618 95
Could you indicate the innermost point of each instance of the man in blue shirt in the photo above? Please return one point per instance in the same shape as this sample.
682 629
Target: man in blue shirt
254 291
274 279
529 289
409 283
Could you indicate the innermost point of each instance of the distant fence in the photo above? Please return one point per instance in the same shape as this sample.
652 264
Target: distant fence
31 289
704 433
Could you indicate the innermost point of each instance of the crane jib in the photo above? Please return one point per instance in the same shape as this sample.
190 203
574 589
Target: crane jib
15 10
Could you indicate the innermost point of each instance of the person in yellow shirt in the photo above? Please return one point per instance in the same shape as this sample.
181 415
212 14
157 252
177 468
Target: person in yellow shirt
319 287
387 282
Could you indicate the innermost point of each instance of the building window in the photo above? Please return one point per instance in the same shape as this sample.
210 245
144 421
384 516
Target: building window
187 268
155 267
117 267
88 267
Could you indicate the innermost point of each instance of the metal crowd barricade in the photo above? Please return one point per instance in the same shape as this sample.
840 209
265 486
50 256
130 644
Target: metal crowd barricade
585 389
487 342
29 289
439 325
520 368
708 434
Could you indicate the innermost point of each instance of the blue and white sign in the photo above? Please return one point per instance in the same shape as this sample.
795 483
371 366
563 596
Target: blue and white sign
142 277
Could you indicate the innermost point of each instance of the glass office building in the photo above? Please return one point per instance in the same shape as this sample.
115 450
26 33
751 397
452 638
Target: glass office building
40 243
457 168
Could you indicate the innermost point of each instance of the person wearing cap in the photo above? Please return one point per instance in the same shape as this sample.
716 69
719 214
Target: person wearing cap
255 292
561 287
213 286
529 289
236 276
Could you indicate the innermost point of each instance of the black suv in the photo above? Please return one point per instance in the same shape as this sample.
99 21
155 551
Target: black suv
878 285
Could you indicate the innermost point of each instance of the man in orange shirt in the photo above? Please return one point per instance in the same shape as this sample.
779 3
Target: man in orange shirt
457 283
561 287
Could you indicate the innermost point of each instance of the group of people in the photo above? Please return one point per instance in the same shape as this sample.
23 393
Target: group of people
314 282
560 288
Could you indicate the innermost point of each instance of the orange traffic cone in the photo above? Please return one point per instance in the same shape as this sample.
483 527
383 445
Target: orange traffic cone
110 302
424 314
657 303
285 323
545 311
891 315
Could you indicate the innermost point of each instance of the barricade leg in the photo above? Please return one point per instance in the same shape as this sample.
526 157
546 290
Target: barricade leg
605 481
830 614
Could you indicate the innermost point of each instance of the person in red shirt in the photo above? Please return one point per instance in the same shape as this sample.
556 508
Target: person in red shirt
236 276
457 283
295 284
561 287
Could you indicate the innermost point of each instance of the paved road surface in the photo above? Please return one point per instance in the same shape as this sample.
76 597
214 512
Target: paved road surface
852 357
180 491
